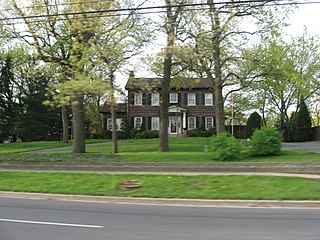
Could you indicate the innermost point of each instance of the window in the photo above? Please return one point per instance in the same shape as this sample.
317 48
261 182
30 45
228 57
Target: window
137 122
109 124
155 123
173 97
138 99
191 99
155 99
118 123
191 123
209 122
208 99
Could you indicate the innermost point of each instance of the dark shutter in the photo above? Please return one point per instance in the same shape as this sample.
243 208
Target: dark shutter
131 123
203 96
186 99
144 100
131 98
197 95
203 123
198 122
148 125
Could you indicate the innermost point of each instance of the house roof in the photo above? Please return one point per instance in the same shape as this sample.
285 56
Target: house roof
120 108
155 83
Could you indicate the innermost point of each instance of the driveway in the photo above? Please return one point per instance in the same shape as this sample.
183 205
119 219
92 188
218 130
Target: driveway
306 146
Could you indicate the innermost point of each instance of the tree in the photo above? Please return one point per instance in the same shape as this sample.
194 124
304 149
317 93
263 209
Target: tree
300 130
117 40
213 46
23 84
288 72
171 28
9 102
65 37
254 122
213 42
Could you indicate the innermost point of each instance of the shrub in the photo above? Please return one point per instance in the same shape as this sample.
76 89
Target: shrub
254 122
147 135
200 133
266 141
226 147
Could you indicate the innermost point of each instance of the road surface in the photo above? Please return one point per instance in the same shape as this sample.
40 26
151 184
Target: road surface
25 219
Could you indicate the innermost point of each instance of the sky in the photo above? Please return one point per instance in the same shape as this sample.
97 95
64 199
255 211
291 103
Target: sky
307 15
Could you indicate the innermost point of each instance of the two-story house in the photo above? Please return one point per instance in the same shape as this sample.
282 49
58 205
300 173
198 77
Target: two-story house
191 105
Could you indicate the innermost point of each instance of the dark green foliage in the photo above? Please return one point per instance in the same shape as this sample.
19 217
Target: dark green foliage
107 134
9 102
265 141
254 122
22 113
300 125
200 133
147 135
226 147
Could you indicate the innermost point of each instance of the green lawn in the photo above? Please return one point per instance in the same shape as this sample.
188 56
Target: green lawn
168 186
181 149
20 147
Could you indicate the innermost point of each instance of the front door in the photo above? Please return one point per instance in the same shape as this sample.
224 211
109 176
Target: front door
174 125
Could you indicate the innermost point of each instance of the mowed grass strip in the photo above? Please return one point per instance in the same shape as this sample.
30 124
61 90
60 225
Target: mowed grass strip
166 186
19 147
141 150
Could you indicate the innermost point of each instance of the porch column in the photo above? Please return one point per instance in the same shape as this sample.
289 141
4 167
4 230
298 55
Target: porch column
184 120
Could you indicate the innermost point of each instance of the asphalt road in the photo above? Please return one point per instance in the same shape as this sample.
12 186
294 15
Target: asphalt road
22 219
306 146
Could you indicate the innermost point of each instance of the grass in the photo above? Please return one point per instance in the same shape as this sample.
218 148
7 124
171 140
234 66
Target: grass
21 147
168 186
181 150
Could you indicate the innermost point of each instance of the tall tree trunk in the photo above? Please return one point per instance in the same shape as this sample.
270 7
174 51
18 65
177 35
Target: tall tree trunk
114 129
113 112
219 108
65 124
164 107
79 145
165 83
218 83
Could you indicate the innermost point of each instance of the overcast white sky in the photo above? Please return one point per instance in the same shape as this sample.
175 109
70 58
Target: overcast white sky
307 15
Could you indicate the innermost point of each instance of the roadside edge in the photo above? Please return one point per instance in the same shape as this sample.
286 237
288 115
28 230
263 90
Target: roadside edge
166 201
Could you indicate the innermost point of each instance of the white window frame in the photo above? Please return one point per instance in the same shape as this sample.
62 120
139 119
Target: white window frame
194 123
155 123
206 123
109 124
208 99
174 98
192 99
118 123
135 122
155 99
138 99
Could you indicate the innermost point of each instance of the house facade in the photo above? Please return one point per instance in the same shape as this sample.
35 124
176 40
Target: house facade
191 105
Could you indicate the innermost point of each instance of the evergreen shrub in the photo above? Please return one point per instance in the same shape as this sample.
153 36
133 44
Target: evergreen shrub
147 135
265 141
200 133
227 147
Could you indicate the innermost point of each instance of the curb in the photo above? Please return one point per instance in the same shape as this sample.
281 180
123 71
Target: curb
274 174
167 201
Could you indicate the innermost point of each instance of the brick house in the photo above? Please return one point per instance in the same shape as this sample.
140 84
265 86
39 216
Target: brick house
191 105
